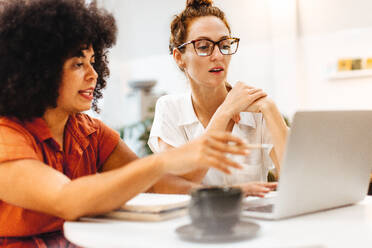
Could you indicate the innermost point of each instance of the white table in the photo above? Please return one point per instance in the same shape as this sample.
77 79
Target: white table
349 226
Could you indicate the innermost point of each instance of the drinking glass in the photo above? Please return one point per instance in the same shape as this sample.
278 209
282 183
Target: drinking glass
254 169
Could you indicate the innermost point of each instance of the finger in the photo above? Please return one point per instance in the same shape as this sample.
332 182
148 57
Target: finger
257 101
259 195
252 91
254 194
257 191
215 163
258 95
229 148
226 137
254 188
270 185
262 189
258 188
223 159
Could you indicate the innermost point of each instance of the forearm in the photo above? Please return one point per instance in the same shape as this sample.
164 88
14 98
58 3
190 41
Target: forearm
277 127
96 194
171 184
178 183
221 120
196 176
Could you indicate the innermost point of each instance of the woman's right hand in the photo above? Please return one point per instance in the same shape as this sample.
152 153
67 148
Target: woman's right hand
240 97
207 151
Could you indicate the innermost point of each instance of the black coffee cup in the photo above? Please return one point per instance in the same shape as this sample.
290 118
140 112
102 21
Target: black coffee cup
215 209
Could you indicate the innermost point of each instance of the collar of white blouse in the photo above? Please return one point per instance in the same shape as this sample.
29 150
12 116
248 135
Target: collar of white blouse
188 115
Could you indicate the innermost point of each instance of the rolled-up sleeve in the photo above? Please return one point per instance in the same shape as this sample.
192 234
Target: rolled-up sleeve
108 139
165 126
15 145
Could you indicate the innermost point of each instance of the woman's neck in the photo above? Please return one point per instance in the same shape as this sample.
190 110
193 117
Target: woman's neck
56 121
206 100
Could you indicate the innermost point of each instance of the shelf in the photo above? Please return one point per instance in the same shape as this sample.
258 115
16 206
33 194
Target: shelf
350 74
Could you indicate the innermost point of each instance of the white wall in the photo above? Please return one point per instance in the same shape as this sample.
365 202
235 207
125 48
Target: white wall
287 47
331 30
322 51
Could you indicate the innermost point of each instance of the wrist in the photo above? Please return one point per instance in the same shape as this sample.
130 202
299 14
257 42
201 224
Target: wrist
267 106
224 112
219 121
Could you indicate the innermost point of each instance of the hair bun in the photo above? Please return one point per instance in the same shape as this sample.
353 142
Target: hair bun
198 3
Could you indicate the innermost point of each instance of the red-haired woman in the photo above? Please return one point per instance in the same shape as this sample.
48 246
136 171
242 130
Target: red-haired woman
202 45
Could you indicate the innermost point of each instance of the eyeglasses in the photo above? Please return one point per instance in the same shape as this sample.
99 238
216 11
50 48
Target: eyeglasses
205 47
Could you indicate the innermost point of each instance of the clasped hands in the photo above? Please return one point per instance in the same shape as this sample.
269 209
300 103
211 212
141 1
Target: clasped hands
244 98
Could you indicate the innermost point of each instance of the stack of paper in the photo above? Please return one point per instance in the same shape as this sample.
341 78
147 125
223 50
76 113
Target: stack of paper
152 207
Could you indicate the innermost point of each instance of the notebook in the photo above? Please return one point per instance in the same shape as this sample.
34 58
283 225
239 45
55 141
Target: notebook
152 207
327 164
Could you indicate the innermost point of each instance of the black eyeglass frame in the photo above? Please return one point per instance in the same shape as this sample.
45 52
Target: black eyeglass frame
214 44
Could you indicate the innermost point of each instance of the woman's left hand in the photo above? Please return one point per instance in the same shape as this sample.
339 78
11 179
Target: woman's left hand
259 189
259 105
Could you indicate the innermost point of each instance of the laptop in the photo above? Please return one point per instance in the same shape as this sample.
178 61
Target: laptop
327 164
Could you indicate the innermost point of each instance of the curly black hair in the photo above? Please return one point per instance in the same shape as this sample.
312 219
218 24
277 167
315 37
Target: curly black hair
36 38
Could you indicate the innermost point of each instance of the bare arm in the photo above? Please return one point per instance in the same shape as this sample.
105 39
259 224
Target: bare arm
171 184
33 185
238 100
193 176
168 184
246 98
278 130
122 156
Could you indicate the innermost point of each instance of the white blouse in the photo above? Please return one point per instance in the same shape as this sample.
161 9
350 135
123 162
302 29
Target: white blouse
176 123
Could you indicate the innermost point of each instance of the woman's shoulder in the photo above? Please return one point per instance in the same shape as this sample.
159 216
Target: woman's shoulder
173 108
173 100
13 129
13 123
9 121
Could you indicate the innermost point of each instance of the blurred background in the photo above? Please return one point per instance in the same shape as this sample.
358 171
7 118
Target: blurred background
304 54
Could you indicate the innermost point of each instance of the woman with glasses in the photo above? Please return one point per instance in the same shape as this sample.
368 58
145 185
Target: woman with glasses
202 46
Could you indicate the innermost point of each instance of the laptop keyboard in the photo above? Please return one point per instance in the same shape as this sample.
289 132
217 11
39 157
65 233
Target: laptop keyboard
264 208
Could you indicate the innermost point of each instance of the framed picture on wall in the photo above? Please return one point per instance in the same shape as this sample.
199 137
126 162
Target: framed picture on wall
344 65
356 64
368 63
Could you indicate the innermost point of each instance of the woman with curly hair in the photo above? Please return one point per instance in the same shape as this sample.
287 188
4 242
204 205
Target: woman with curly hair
202 46
53 66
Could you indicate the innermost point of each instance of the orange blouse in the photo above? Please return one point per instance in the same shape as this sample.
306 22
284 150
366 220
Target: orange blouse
87 144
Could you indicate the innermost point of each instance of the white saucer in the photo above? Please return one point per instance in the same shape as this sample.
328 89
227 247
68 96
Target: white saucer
242 230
